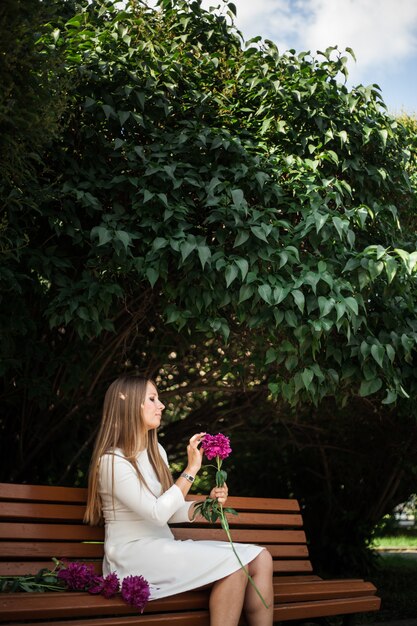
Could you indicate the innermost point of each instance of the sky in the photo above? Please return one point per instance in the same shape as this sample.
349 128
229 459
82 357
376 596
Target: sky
382 34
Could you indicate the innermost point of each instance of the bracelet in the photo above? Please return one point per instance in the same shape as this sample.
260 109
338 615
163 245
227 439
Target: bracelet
188 477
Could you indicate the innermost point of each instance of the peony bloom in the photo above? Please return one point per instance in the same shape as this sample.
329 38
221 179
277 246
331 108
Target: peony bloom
96 585
216 445
77 576
135 591
107 586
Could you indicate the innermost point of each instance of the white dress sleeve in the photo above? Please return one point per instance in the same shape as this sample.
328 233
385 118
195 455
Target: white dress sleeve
132 494
182 513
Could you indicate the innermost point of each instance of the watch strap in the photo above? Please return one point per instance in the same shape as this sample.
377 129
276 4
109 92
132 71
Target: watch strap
188 477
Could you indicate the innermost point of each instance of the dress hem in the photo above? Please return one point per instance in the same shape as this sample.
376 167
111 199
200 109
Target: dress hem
210 579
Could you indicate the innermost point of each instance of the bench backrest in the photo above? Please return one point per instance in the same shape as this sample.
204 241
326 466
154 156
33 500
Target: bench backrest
41 522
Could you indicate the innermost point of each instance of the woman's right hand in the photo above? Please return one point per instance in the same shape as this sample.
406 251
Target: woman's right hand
195 454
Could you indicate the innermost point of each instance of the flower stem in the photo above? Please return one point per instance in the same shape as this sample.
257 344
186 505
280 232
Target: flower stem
225 526
30 580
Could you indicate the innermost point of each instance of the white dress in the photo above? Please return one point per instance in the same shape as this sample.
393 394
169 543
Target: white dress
138 540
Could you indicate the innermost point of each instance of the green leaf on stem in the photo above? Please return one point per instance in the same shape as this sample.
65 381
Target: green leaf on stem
221 477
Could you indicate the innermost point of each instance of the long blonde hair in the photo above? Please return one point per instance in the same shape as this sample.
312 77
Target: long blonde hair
122 427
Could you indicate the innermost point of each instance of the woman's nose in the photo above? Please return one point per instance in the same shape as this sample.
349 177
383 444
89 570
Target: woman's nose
161 406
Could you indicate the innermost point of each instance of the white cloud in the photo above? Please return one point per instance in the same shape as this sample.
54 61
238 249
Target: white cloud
380 32
377 31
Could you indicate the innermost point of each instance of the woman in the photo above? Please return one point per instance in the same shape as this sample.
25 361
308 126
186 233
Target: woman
131 488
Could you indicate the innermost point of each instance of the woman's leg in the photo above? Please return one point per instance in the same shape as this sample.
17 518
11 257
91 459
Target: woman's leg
226 599
261 571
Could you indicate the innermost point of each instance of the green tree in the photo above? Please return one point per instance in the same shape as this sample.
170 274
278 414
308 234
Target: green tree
409 124
31 102
219 214
28 108
200 176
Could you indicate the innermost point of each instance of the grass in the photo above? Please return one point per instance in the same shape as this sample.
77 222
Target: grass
405 542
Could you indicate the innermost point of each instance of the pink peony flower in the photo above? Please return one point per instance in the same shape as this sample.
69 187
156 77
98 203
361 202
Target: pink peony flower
82 577
216 445
96 585
135 591
77 576
107 586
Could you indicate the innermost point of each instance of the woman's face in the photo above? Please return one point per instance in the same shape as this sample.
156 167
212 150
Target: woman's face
152 408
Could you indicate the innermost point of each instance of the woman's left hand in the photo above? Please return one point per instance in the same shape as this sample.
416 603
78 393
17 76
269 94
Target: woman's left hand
219 494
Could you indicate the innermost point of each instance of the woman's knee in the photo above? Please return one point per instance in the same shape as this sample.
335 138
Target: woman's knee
236 580
262 563
266 560
239 577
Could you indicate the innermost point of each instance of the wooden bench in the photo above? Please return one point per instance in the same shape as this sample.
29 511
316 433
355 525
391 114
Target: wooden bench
40 522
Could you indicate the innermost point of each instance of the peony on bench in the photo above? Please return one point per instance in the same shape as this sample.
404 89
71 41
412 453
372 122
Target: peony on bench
41 522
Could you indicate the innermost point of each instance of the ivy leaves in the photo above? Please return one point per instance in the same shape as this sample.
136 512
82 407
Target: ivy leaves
249 191
211 510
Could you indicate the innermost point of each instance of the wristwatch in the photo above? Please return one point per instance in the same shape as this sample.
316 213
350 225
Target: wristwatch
188 477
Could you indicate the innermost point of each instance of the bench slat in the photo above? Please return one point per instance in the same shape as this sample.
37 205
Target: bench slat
267 505
297 577
20 550
51 532
74 604
196 618
321 590
244 535
45 493
201 618
279 520
14 549
292 566
20 568
326 608
34 511
78 495
289 550
44 512
54 605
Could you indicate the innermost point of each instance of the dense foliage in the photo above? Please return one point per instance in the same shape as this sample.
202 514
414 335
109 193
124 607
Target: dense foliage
222 216
30 103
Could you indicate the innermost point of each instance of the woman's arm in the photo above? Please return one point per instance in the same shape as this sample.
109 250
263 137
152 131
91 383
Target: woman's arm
135 497
131 495
195 458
